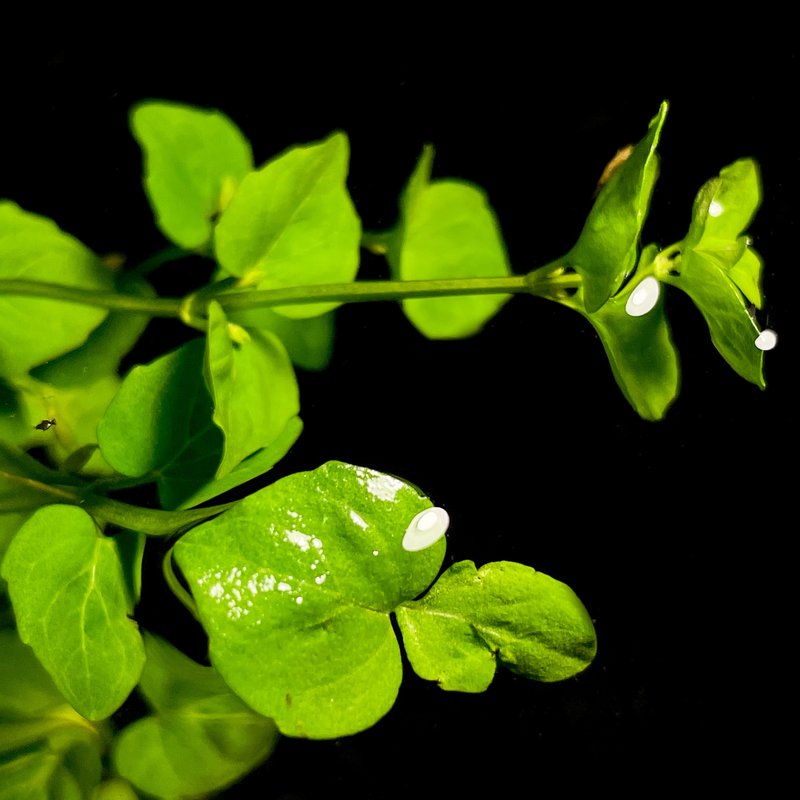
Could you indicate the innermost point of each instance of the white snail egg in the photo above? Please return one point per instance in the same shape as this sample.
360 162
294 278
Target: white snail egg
644 297
715 208
767 339
426 528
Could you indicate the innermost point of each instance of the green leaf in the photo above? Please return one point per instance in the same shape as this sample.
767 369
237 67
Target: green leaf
130 546
640 349
292 223
295 586
253 386
506 612
447 230
309 342
160 424
149 424
69 596
194 161
35 329
40 734
252 467
200 738
719 269
38 775
607 249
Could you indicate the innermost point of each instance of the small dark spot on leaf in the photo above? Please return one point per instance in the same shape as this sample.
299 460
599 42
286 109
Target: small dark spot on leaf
288 699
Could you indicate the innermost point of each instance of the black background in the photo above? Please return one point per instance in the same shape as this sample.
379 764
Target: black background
676 535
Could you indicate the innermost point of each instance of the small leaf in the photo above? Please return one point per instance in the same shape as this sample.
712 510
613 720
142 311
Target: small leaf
720 270
147 425
71 604
194 161
640 349
447 230
528 621
295 586
200 738
607 249
35 329
292 223
253 386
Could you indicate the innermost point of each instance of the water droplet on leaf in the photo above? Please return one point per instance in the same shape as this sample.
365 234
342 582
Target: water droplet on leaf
767 339
426 528
644 297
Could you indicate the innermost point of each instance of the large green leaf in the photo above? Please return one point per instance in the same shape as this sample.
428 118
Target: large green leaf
199 738
506 612
292 223
253 386
295 586
71 604
35 329
447 230
719 269
194 160
607 249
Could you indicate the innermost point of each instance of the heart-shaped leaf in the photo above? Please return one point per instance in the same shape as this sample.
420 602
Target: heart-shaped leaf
295 586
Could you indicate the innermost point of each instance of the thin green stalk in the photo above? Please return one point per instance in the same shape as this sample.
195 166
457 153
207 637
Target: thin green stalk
176 587
371 291
154 306
544 282
45 488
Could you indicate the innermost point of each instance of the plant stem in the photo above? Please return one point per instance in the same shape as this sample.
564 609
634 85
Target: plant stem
46 488
154 306
542 282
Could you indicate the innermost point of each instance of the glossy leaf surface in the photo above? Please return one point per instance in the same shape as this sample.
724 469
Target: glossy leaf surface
447 230
35 329
292 223
194 160
199 738
71 604
504 612
295 586
607 249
